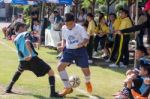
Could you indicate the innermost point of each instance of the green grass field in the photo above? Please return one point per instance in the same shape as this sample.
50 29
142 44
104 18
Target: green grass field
106 81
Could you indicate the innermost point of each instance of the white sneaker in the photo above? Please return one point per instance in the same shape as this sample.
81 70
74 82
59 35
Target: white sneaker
121 63
90 61
95 53
113 65
107 61
123 66
103 55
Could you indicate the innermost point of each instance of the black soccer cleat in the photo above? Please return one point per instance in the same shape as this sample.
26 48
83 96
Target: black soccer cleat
56 95
8 89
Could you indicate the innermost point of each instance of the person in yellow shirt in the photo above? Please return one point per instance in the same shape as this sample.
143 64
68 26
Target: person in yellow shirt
90 31
123 53
115 46
101 35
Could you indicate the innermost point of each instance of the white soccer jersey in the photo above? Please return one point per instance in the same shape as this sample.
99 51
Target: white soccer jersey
74 36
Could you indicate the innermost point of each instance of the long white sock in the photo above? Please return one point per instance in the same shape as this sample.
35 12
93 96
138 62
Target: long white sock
87 79
64 76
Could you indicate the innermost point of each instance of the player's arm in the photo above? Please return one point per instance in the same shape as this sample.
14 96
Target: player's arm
86 38
62 45
28 46
84 43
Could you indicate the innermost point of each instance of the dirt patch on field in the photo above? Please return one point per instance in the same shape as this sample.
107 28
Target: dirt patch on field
19 91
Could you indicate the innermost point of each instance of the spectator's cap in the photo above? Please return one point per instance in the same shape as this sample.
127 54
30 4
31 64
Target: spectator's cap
147 6
145 62
69 17
143 49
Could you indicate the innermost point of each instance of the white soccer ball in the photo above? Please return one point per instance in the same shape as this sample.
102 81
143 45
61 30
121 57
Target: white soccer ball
74 81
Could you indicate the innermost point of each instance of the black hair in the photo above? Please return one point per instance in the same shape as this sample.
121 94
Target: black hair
85 24
147 68
90 15
18 25
145 63
126 12
113 15
36 21
83 10
69 17
143 49
101 16
55 12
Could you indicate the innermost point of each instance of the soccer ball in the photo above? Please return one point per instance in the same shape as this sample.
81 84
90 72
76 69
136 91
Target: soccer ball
74 81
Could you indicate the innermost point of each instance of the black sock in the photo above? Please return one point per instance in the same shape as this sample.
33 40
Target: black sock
14 79
52 84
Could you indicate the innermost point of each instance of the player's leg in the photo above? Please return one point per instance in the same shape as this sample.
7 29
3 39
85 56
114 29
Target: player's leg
14 79
52 84
86 72
40 68
65 61
82 61
64 77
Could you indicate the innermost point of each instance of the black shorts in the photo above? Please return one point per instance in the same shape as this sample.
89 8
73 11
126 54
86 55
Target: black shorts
36 65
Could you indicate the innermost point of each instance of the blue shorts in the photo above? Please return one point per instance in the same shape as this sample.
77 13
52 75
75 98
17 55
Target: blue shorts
79 55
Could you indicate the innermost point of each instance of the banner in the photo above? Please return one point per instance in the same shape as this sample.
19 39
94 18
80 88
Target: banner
7 1
22 2
52 1
68 2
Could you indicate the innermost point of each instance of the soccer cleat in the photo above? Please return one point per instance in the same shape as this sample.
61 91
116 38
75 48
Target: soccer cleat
89 87
56 95
66 91
90 61
8 89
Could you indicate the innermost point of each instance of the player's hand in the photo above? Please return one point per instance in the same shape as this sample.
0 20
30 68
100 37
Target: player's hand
147 81
28 58
60 48
118 32
80 45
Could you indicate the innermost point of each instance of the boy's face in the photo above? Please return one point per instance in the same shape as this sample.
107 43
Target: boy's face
88 18
70 24
143 72
35 23
122 14
22 29
139 54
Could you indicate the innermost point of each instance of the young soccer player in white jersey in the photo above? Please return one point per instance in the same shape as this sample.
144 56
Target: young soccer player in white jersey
74 40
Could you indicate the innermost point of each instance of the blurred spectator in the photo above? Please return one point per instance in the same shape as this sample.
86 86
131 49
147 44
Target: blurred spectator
81 17
91 32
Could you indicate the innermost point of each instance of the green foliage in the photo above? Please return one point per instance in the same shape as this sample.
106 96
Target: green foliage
121 4
101 1
85 4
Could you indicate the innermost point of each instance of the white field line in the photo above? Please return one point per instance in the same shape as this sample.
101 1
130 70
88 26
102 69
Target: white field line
57 76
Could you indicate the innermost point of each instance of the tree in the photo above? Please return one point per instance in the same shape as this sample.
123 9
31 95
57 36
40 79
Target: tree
108 3
76 2
89 3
